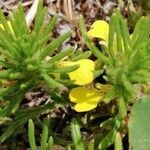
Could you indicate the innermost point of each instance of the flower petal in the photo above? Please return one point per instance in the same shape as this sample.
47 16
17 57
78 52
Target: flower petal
83 94
87 63
99 29
85 106
83 75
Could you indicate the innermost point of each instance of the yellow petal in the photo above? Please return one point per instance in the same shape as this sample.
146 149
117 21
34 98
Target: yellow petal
86 63
86 99
99 29
83 94
83 75
85 106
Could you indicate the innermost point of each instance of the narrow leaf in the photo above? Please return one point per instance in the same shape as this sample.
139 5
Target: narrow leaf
31 135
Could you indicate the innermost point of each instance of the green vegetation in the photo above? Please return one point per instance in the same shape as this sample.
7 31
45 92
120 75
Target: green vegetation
31 59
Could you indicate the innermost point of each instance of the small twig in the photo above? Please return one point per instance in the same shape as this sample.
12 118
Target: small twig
68 7
70 10
58 3
65 8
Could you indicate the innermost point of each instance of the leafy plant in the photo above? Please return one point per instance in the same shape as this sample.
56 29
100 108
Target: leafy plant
23 54
126 63
24 63
76 135
123 59
31 58
46 141
22 116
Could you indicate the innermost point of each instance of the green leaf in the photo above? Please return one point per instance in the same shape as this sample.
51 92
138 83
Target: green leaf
31 135
139 125
91 145
55 44
40 15
22 116
51 25
18 22
60 55
66 69
113 122
50 143
45 133
122 108
111 37
83 55
118 142
51 83
4 74
107 140
76 135
141 32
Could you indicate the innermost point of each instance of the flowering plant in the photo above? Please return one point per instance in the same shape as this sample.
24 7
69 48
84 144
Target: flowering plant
126 63
25 65
32 58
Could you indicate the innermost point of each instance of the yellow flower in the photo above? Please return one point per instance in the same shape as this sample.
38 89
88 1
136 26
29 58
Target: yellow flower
99 29
87 99
84 74
9 24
